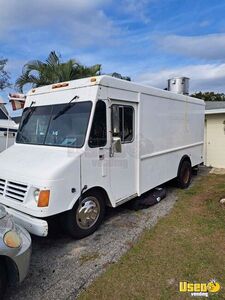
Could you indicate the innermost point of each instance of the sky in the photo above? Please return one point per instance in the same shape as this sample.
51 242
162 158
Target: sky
148 40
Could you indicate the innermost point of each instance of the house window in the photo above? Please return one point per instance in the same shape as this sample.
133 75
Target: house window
126 123
98 136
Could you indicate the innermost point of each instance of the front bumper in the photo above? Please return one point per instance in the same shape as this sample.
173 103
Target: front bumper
33 225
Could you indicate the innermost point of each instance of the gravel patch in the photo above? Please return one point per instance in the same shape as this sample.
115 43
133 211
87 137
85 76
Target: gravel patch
61 267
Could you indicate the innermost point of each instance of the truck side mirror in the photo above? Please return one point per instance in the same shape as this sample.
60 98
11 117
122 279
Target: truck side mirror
115 120
116 145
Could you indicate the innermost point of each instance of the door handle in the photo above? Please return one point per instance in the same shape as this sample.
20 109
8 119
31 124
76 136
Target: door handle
101 156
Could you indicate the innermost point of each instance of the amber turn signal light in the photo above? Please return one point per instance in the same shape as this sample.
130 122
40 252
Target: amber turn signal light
60 85
43 199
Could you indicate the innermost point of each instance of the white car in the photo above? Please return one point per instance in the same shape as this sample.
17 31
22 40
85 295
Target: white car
15 251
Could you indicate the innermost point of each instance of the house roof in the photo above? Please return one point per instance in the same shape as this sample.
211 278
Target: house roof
3 109
5 120
214 107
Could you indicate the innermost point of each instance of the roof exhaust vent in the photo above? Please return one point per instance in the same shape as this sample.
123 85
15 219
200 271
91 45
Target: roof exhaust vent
179 85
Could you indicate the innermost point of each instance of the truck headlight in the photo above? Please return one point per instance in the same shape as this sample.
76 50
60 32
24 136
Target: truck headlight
12 239
36 195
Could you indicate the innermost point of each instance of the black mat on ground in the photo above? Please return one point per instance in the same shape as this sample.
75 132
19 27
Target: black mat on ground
148 199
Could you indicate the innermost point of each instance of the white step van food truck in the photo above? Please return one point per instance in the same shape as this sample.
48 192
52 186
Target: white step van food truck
98 141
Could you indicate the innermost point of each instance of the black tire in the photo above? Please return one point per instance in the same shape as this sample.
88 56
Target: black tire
3 279
184 174
74 225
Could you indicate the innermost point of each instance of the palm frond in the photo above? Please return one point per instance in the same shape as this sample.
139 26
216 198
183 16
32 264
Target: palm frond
53 59
38 73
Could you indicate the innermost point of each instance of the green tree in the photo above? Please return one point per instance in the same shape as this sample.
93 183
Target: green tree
209 96
53 70
4 76
118 75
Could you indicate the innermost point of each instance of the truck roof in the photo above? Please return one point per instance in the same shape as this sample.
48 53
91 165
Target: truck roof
109 81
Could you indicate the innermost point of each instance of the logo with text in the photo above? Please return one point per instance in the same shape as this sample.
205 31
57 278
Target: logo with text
197 289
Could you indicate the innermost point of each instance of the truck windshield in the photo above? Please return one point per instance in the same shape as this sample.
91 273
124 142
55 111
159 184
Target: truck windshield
63 125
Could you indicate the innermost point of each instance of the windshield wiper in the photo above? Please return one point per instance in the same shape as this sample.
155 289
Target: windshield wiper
65 109
29 114
26 119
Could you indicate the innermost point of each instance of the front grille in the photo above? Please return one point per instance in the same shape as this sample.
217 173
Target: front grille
16 191
2 186
13 190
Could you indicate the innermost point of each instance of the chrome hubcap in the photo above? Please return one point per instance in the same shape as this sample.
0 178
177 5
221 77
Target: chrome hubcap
88 212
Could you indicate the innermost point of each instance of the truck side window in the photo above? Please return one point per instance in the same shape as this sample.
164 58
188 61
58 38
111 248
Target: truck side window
126 120
98 135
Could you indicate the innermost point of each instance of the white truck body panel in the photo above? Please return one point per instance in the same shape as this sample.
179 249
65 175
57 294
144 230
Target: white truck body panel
166 126
174 131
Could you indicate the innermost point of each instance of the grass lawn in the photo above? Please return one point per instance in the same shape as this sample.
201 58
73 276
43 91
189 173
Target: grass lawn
186 245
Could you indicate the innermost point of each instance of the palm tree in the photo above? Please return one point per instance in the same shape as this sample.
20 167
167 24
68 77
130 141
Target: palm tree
38 73
4 76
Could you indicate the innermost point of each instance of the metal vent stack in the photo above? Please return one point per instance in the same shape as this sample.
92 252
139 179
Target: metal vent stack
179 85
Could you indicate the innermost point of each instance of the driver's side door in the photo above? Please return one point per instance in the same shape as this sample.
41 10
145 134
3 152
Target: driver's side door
123 166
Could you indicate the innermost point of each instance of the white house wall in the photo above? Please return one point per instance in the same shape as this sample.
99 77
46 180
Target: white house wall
215 140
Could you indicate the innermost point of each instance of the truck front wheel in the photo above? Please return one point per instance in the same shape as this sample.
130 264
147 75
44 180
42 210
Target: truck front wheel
184 174
86 215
